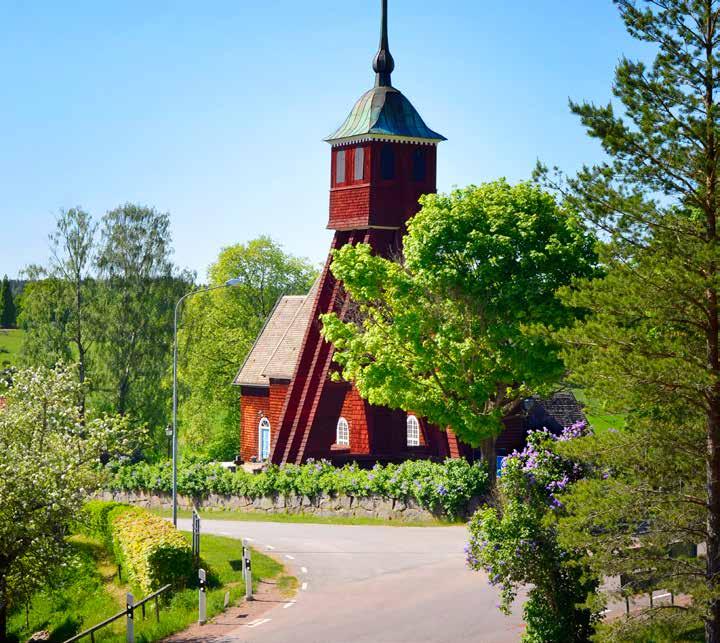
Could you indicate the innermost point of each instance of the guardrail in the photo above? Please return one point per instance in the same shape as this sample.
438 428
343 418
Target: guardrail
128 613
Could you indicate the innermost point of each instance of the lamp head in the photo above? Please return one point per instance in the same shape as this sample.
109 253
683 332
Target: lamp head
235 281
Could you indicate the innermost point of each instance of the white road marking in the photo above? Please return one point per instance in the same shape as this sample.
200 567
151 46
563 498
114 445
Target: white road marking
225 533
257 622
289 557
303 570
250 540
304 586
290 604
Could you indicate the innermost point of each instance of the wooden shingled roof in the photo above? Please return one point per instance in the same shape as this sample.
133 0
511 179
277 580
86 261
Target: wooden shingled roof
277 347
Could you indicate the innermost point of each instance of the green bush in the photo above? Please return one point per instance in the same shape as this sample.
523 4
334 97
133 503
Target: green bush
149 549
94 519
152 552
444 488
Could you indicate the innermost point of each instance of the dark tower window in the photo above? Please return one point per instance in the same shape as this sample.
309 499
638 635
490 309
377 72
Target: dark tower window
359 174
387 162
340 167
419 165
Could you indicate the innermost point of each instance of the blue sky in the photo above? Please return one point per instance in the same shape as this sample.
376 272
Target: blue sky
215 111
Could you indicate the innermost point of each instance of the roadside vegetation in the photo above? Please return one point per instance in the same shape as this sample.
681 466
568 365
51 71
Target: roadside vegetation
445 489
87 590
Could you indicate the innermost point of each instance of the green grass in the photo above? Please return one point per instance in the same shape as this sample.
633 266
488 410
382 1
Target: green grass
10 344
597 416
90 592
247 516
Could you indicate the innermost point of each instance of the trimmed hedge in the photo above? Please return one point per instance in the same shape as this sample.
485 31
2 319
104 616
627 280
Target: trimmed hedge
150 550
444 489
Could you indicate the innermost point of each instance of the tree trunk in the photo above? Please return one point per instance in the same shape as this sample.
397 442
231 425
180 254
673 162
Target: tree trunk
712 624
487 449
3 609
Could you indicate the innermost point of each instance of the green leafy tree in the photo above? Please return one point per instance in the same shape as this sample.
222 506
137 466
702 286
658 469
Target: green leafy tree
73 248
45 320
637 514
140 288
8 310
447 331
652 342
48 466
61 300
218 331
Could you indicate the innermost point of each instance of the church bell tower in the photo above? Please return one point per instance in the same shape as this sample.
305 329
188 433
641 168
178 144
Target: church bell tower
383 158
383 155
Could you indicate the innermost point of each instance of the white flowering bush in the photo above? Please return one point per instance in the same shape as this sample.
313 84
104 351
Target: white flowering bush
48 465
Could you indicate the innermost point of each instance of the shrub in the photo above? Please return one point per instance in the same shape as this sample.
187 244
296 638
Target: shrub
150 550
444 488
516 544
94 519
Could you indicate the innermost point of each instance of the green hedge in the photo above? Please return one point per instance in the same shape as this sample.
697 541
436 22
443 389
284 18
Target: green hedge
149 549
443 488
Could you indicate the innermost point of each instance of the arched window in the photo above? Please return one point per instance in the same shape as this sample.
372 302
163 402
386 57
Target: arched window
343 432
264 439
419 164
387 162
413 431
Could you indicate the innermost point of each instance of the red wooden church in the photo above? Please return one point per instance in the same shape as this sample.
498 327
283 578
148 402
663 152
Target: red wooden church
383 158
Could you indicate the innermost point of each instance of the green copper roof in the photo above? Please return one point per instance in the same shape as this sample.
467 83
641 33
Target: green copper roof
384 111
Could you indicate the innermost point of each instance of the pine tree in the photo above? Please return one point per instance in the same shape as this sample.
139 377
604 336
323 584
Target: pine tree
652 344
8 310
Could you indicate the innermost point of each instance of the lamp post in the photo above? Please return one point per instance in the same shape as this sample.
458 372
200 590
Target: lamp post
227 284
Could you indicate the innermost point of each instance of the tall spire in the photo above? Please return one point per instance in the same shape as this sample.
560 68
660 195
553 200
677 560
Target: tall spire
383 63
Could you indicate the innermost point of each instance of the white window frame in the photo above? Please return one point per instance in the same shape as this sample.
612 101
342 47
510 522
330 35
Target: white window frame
342 432
340 173
359 162
413 431
264 424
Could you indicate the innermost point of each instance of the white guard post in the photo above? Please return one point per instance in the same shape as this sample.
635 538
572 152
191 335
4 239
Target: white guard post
130 617
202 597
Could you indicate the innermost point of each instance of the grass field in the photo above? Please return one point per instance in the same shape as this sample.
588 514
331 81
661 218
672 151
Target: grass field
596 415
89 592
301 518
10 343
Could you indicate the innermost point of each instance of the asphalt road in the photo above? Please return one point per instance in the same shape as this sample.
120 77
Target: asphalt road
367 584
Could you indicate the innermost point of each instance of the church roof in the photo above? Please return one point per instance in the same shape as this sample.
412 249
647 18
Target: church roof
384 111
276 349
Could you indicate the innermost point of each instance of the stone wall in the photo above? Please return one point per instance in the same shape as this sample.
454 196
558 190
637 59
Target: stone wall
327 506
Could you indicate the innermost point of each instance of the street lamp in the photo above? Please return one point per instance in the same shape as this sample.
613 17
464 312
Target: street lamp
229 283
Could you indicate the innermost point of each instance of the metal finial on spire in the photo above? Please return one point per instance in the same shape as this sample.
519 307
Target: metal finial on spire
383 63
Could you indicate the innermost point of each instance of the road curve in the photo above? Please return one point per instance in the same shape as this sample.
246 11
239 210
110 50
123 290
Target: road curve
368 584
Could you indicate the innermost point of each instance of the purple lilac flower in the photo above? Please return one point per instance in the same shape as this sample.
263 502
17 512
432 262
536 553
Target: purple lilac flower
576 430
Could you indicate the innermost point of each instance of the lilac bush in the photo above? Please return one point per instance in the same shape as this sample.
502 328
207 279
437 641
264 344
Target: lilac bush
515 543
